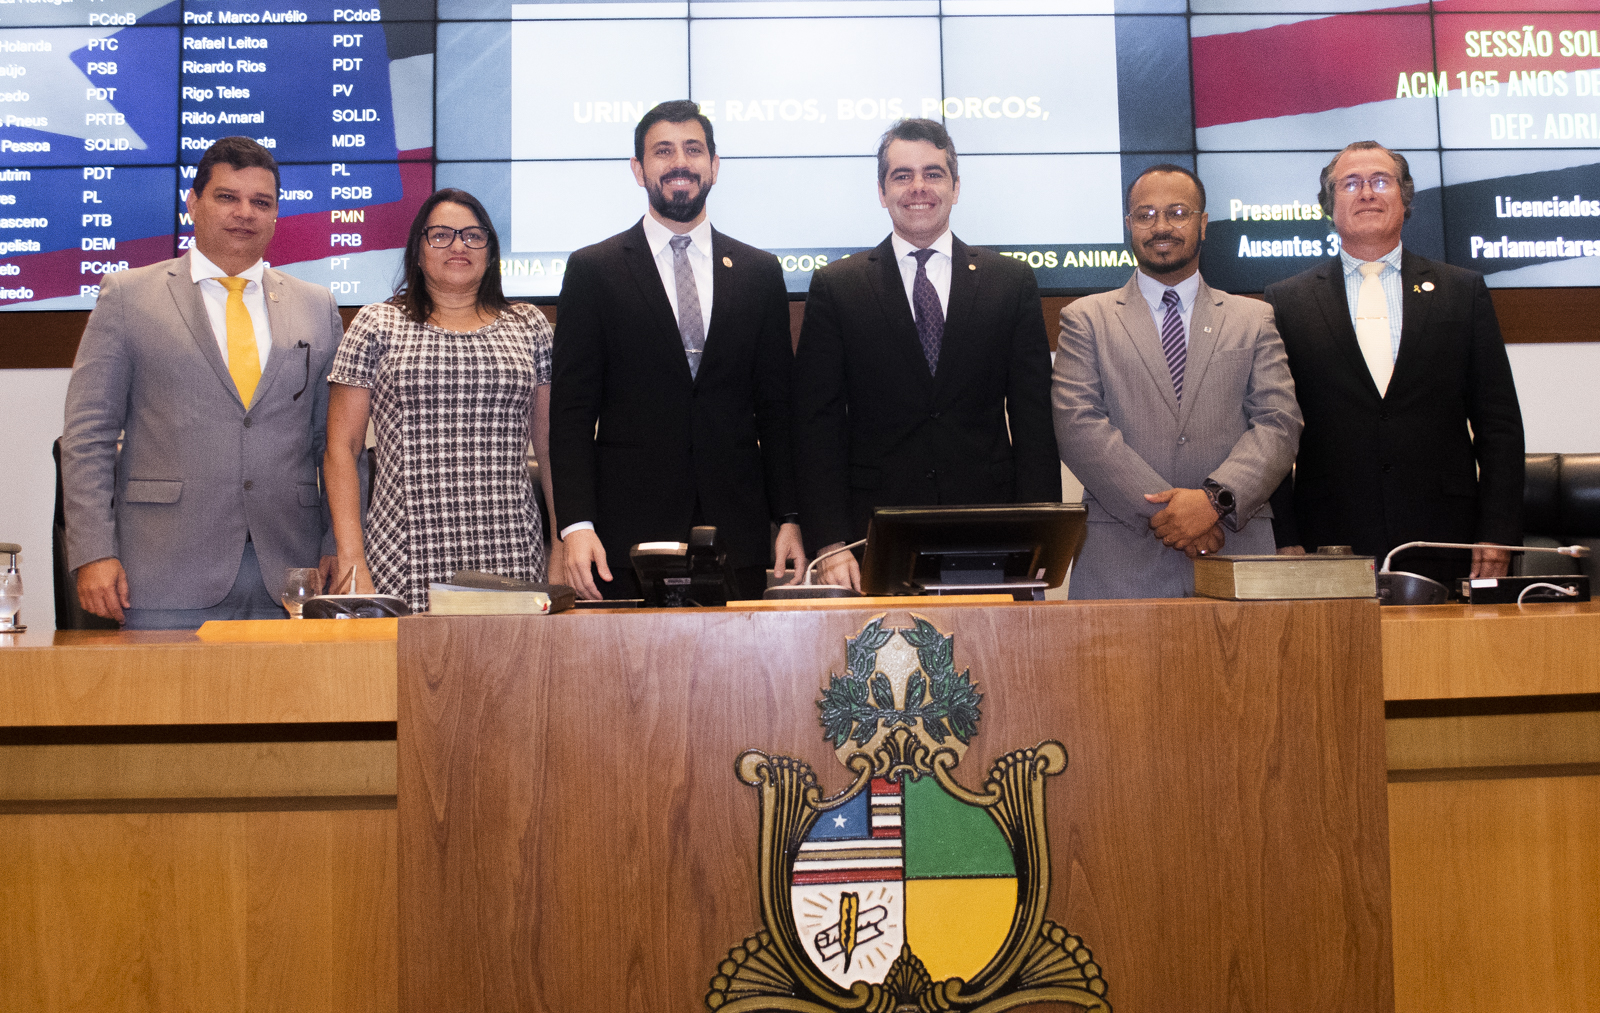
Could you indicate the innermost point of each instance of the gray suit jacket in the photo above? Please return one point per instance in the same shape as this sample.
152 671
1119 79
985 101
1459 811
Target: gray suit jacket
196 472
1123 433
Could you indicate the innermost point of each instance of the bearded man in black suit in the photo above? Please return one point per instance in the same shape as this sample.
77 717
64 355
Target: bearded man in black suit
1412 427
670 392
923 371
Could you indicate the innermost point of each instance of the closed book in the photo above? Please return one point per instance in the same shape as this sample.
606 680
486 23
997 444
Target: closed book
1272 578
473 593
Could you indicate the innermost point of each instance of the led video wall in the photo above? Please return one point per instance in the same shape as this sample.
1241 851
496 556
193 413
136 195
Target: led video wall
106 106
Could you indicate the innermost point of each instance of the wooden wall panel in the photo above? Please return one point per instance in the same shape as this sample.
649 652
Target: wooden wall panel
573 836
160 912
1496 894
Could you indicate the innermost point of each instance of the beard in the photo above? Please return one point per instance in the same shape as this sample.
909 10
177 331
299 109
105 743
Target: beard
678 205
1179 259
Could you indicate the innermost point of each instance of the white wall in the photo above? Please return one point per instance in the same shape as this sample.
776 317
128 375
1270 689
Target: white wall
1556 384
31 402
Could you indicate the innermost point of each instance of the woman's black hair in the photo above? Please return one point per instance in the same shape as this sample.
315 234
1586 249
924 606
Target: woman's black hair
412 296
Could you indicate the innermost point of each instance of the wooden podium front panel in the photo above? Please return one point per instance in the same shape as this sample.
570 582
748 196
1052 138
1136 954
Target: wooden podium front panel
573 836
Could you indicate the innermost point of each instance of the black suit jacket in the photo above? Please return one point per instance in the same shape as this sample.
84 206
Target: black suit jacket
666 441
1375 472
874 428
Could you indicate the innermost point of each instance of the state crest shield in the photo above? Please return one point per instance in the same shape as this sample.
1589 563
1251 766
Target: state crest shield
907 890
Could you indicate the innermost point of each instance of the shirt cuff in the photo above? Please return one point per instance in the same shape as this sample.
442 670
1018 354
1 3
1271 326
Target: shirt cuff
580 526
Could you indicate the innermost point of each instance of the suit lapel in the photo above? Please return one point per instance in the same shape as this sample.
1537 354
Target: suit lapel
1205 323
959 336
1140 329
191 307
1335 306
278 355
891 292
721 294
636 253
1416 315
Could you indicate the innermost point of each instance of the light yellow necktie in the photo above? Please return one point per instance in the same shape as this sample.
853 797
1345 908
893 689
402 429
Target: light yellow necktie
1372 326
244 358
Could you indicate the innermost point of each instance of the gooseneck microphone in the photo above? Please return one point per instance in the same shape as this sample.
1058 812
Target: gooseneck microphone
812 569
1575 551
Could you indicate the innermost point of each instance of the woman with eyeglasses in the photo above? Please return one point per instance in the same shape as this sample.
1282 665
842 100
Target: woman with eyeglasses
456 381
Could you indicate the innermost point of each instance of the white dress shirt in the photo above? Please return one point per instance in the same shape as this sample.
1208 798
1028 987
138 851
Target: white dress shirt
938 267
1393 294
699 253
1153 291
205 274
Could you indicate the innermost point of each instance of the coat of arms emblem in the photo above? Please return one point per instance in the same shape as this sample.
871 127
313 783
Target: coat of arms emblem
907 890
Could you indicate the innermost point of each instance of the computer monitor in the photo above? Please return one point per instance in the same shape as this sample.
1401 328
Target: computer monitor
953 549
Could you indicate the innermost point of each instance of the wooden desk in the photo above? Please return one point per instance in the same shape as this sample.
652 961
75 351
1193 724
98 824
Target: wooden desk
170 841
1494 806
197 825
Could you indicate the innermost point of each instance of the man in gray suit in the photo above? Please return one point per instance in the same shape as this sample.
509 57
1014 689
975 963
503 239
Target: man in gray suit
1173 406
212 369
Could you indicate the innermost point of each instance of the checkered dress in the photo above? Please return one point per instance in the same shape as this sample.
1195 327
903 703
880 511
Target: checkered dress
451 412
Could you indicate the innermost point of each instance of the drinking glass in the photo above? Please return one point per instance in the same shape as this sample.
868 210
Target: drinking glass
10 599
300 585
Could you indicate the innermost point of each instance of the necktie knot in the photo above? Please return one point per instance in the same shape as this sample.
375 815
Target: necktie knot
235 286
679 243
1169 299
923 255
1373 269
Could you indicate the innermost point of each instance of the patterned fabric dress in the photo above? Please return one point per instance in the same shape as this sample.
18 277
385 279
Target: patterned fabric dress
451 413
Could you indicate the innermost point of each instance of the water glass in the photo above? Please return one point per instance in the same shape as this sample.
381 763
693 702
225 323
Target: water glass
300 585
10 599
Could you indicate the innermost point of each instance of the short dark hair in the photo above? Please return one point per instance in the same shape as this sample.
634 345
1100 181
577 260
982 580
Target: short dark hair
240 153
1408 186
1127 199
413 296
931 131
679 110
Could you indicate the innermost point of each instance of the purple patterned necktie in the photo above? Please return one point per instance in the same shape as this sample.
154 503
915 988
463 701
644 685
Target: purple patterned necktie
930 315
1172 340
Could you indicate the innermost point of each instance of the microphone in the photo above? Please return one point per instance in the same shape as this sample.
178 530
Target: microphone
806 589
1575 551
812 569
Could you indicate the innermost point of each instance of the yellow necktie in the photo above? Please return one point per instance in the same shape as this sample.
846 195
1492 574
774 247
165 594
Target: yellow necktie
244 359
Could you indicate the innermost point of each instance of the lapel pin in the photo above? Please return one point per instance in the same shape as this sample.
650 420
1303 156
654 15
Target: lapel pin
972 267
727 261
1208 330
1427 286
273 296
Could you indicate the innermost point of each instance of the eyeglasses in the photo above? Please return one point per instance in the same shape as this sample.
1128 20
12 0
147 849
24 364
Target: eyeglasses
1381 182
1177 215
442 236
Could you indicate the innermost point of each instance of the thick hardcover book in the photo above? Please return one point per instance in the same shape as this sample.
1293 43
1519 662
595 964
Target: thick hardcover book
1271 578
474 593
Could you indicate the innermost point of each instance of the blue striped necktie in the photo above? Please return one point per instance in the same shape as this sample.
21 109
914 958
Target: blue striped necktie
1172 341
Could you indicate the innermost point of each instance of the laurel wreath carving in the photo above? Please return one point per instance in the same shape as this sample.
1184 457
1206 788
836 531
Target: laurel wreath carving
946 702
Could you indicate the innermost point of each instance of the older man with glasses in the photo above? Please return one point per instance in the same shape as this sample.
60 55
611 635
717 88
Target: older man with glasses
1412 427
1173 406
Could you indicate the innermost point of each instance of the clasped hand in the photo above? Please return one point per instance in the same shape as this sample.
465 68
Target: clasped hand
1188 522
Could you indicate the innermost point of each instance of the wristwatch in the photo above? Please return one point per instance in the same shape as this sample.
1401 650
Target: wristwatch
1221 497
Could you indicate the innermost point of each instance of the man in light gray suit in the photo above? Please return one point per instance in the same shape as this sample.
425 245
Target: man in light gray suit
212 369
1173 406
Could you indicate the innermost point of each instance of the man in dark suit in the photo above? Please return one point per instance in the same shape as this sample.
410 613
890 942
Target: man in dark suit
674 340
1394 357
912 359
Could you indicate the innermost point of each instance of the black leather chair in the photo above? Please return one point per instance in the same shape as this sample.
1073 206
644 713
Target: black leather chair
69 614
1561 506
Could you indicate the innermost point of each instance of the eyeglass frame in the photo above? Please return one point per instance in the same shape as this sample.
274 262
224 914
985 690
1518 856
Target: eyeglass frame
1353 184
427 236
1165 214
